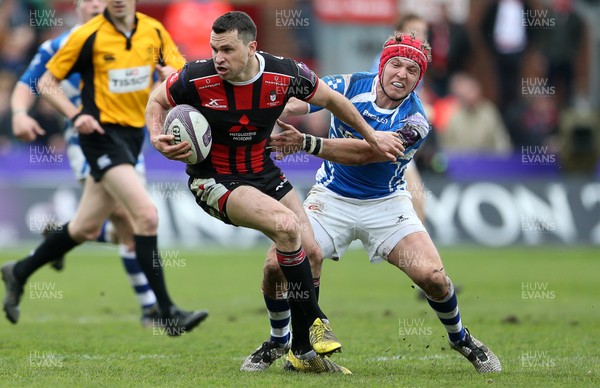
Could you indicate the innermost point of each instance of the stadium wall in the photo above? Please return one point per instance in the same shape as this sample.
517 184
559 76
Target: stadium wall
490 209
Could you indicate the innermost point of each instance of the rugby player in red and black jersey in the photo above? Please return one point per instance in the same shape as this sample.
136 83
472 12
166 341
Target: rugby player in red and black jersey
242 92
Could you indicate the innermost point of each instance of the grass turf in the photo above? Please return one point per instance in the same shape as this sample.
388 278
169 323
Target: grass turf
537 308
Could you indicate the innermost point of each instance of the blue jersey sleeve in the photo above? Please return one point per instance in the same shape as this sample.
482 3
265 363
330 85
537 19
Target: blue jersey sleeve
37 66
335 82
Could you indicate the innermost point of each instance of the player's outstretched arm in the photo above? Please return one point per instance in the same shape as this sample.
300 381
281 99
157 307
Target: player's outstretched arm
295 107
24 127
156 112
352 152
387 144
50 89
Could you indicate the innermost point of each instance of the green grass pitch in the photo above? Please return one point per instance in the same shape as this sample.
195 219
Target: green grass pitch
537 308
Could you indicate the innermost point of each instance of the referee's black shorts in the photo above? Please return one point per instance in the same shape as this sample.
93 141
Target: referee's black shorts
118 145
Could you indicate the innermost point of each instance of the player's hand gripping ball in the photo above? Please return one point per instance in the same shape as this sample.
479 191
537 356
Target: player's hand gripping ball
186 123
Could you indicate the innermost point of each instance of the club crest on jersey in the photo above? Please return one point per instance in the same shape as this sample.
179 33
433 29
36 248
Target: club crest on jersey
272 95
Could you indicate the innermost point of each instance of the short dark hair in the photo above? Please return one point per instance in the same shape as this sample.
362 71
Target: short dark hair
236 21
407 18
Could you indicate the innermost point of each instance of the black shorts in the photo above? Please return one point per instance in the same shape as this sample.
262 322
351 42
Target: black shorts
212 193
118 145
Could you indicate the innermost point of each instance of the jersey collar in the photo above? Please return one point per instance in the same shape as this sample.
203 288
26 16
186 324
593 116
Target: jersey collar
128 38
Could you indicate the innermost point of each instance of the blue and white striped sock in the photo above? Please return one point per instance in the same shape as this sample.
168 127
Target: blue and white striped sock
279 316
137 279
447 311
104 236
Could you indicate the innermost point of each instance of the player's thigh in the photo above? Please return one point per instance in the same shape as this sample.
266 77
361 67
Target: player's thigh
94 206
417 256
123 183
385 222
333 221
249 207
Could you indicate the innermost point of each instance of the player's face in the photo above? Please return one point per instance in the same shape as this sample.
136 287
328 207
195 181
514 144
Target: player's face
90 8
120 9
399 77
231 55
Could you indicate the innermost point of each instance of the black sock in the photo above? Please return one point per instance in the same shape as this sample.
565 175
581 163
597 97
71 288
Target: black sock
148 256
300 325
317 283
56 244
296 269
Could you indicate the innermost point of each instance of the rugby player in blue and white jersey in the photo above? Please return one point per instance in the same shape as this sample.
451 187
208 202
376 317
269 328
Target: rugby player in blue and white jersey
26 128
360 196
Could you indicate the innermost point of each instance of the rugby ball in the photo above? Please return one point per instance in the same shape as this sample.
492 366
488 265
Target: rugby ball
186 123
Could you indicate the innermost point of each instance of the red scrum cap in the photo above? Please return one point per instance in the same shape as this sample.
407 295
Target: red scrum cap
408 47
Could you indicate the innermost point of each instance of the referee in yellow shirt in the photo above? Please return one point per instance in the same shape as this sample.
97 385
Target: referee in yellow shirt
116 54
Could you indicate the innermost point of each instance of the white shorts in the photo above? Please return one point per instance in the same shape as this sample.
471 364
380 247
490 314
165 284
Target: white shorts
378 223
79 164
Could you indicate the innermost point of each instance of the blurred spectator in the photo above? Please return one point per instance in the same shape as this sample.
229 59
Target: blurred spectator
579 144
507 35
451 48
536 122
476 126
561 46
17 38
7 80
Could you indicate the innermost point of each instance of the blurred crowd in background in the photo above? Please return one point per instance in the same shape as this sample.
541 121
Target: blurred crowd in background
506 75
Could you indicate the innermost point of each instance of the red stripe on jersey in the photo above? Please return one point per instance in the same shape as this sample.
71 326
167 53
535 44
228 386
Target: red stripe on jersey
211 92
240 160
243 97
170 81
219 156
273 90
257 158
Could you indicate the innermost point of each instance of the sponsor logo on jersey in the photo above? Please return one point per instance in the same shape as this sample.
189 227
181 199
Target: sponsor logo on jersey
129 80
208 82
374 117
243 132
274 89
215 103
